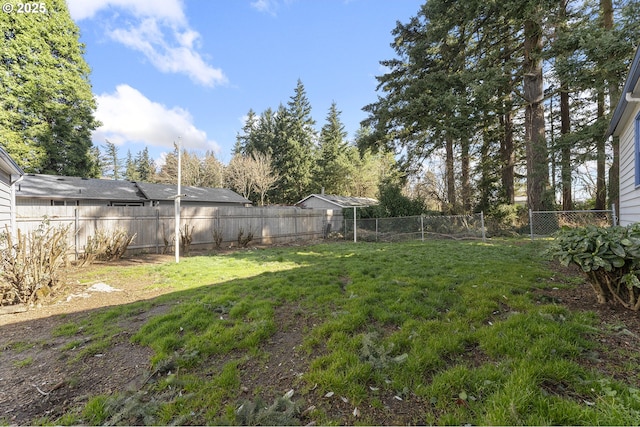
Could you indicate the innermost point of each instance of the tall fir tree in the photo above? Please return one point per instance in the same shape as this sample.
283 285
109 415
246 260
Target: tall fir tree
145 166
130 170
46 103
294 148
333 166
112 163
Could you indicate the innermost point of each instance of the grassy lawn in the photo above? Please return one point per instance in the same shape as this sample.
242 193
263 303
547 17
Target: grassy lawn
438 332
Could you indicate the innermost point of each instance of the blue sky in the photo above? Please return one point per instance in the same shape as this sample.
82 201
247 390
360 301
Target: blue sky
163 69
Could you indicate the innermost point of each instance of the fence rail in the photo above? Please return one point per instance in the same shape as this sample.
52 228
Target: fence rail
545 223
155 226
416 228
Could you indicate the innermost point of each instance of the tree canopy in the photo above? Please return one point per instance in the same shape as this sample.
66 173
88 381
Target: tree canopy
47 106
474 82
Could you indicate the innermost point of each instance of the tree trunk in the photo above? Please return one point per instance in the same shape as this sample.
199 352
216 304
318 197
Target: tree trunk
601 184
465 182
606 6
565 161
507 156
450 174
536 145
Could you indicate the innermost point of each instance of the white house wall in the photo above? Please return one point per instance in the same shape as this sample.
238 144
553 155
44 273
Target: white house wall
316 203
629 209
5 201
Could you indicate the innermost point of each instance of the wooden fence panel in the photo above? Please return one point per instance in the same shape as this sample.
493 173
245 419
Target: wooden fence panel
154 227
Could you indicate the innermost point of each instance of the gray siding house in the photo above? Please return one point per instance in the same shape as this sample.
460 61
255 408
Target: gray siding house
162 194
51 190
625 125
10 174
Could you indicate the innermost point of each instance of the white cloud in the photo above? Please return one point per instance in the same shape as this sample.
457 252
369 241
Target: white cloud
129 116
159 31
165 10
266 6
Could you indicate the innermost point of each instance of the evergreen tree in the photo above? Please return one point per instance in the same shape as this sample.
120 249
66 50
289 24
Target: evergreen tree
112 164
46 103
130 170
293 148
145 166
333 166
468 81
244 140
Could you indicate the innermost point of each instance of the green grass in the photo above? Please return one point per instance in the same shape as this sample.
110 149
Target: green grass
23 363
451 326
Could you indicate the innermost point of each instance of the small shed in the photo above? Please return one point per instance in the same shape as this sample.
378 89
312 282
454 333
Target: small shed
327 201
10 174
625 125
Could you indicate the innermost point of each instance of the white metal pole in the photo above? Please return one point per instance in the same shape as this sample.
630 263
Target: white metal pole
177 204
355 238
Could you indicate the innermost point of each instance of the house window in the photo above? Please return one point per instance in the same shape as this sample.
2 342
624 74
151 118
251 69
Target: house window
637 150
64 203
123 204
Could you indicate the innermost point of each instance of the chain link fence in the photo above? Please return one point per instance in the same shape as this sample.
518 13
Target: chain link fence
416 228
546 223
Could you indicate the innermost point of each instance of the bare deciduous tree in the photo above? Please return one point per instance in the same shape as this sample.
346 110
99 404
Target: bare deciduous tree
249 174
264 175
238 175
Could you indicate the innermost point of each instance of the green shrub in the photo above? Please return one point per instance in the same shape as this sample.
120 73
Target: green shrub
506 220
610 257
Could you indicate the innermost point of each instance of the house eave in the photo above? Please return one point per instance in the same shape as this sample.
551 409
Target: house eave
631 89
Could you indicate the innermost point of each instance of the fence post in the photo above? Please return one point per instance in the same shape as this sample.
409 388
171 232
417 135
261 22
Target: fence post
355 234
376 229
484 235
157 231
76 226
614 216
422 226
531 223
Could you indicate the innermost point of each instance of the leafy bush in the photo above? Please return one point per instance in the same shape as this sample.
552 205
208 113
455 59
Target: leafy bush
610 257
506 220
106 245
33 264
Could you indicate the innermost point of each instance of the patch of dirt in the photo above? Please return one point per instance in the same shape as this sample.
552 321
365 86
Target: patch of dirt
619 332
38 379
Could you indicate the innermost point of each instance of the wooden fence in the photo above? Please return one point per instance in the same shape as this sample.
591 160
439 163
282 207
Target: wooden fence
155 226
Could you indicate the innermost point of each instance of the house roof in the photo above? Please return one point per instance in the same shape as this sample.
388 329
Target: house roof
631 86
343 201
200 194
72 187
8 164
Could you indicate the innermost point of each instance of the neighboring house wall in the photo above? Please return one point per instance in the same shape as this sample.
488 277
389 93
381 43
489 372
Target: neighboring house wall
27 201
629 209
315 202
5 200
184 202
